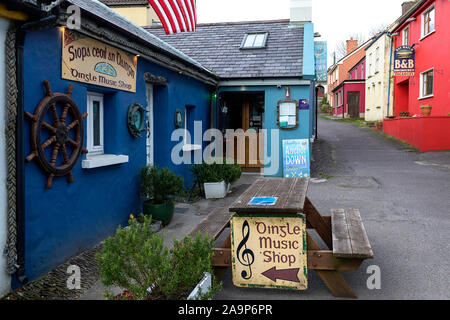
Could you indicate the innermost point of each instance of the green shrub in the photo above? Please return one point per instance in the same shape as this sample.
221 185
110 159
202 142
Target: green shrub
136 259
217 171
160 185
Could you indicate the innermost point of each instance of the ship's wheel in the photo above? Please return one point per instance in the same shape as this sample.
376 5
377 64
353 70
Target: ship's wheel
57 134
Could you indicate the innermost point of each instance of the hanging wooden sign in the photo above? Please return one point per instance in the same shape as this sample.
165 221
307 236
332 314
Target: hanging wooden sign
269 252
90 61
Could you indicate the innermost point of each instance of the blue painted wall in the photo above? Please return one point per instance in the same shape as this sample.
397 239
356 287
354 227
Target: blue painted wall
272 96
70 218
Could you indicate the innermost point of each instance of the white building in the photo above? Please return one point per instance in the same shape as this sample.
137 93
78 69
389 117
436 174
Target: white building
377 79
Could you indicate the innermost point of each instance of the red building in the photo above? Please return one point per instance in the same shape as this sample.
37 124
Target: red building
426 28
350 95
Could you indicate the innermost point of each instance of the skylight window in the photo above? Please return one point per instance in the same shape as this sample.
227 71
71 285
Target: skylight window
254 40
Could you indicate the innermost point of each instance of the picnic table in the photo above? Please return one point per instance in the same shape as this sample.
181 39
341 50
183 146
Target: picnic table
343 233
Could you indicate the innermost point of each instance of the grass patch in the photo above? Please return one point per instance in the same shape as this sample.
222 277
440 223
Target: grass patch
403 143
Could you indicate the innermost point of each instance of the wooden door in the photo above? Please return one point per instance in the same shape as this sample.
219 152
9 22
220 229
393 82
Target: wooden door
353 103
253 148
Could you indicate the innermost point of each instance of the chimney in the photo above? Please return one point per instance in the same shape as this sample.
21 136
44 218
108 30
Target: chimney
352 45
407 5
301 11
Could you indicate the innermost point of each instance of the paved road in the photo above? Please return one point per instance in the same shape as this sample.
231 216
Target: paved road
404 199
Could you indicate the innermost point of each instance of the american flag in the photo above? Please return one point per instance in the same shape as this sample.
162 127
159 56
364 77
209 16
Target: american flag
176 15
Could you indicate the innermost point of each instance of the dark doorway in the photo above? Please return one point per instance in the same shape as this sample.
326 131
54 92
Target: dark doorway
353 102
244 111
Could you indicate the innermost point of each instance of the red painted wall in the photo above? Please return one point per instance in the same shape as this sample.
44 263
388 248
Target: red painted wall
433 51
346 87
425 133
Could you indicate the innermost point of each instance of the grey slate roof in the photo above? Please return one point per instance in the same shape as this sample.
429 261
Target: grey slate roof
100 10
217 48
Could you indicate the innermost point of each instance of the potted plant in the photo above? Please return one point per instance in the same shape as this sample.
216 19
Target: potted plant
137 261
160 186
215 178
426 110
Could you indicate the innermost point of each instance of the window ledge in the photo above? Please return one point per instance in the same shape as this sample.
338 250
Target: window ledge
103 160
191 147
426 97
428 34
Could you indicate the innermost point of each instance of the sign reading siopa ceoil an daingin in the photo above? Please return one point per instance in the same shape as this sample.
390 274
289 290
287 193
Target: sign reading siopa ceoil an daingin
90 61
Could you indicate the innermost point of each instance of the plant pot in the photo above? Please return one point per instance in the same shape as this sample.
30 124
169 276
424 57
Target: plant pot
160 212
215 190
426 110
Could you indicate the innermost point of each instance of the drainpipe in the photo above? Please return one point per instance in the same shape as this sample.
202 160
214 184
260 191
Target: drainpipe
20 141
389 79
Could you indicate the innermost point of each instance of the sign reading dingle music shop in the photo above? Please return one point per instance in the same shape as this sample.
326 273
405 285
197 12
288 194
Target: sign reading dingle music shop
90 61
269 252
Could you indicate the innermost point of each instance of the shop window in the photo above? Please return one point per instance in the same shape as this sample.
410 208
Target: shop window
95 135
95 138
426 83
428 21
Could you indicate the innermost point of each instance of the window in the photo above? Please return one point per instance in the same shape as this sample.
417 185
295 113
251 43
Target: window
288 114
426 83
428 22
406 36
96 157
95 123
377 60
254 41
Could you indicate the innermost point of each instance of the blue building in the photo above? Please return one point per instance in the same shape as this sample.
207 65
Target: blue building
267 83
86 95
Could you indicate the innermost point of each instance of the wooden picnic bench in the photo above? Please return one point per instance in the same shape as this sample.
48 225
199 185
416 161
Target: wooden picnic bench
343 232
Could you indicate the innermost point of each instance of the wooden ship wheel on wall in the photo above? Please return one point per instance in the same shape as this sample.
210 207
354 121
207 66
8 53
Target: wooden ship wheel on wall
57 134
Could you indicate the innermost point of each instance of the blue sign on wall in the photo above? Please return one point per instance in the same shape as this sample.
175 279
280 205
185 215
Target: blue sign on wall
320 54
296 160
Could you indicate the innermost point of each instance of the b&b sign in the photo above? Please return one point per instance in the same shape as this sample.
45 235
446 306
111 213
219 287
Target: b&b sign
269 252
404 61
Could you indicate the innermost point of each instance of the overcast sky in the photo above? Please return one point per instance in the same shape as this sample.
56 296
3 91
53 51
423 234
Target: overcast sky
335 20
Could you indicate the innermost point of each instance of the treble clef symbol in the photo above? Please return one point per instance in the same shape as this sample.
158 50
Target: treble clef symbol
247 258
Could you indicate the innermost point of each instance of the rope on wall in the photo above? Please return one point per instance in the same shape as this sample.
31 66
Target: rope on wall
11 116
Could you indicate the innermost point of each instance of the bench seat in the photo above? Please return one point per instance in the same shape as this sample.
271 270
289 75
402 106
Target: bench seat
349 235
214 223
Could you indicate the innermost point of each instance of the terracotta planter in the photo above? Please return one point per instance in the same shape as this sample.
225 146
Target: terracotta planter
426 110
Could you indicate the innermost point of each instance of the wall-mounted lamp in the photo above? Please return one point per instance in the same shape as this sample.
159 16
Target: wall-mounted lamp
288 92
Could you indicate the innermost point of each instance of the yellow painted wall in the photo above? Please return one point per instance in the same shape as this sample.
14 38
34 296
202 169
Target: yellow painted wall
140 15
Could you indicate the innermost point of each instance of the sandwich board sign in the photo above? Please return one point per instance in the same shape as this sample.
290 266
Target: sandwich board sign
269 252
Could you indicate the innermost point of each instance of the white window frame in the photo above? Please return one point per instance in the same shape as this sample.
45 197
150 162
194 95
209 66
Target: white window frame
91 97
256 34
422 24
421 96
405 36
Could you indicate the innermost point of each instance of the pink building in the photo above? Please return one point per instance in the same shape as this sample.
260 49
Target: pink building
350 95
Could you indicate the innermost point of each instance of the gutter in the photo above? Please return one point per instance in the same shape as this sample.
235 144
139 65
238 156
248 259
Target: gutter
20 142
